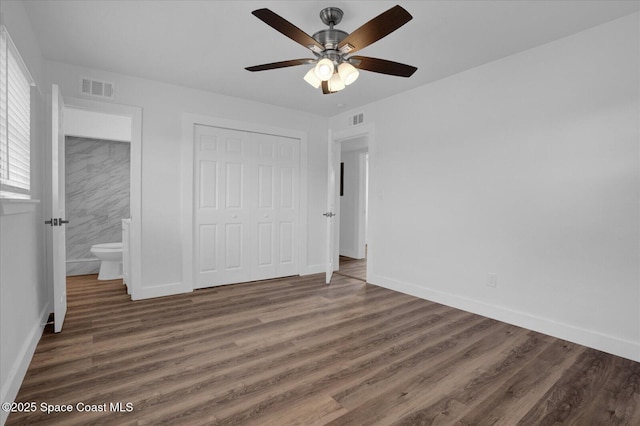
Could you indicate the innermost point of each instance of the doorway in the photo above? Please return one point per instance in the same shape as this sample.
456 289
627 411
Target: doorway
97 181
353 207
353 198
121 125
350 155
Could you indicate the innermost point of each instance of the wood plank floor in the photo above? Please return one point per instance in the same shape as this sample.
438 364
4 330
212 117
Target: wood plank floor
353 268
296 351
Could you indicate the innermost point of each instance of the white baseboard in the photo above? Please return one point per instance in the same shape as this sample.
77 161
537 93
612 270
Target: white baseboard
160 290
593 339
82 266
179 288
19 368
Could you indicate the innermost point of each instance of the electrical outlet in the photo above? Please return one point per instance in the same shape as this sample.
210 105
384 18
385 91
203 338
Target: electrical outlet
492 279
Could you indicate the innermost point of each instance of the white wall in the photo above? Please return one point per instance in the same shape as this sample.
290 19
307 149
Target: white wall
163 106
527 167
24 298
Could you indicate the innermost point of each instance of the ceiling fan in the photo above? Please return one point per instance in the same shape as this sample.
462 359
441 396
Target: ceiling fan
334 67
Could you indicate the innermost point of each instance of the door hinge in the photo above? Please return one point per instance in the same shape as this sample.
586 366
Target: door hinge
329 214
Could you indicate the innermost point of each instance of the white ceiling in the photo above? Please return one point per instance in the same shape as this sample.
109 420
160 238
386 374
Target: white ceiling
207 44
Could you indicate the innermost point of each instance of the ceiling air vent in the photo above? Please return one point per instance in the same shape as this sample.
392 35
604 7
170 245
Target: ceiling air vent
96 88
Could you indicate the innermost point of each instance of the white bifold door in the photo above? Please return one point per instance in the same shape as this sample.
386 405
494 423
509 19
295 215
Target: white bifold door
246 206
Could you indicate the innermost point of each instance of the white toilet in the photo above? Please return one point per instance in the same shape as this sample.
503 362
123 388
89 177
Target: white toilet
110 255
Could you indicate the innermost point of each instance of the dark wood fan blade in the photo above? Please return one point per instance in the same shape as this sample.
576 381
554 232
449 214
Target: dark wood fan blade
278 23
281 64
325 88
377 28
382 66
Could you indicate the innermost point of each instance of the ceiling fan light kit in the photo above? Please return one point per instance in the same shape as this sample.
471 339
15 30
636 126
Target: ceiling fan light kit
324 69
311 78
348 73
333 68
336 84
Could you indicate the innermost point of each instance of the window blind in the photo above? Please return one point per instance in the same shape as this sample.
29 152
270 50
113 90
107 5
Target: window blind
15 119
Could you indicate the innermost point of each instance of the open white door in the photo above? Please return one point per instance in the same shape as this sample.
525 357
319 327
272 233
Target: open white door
57 220
333 161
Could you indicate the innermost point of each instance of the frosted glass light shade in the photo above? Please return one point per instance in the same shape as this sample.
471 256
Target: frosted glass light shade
348 73
311 78
324 69
336 84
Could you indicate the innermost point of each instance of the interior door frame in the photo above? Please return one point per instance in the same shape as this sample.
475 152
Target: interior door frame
335 143
135 195
189 121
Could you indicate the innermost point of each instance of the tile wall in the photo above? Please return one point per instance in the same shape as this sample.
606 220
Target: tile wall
97 198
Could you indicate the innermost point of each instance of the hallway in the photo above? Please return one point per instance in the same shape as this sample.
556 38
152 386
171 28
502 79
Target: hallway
353 268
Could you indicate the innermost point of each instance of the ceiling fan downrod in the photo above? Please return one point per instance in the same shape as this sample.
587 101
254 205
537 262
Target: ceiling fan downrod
331 37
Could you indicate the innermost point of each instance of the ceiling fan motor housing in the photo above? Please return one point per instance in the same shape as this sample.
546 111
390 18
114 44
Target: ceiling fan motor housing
330 38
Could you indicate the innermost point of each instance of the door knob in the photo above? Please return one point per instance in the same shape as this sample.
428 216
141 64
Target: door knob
56 221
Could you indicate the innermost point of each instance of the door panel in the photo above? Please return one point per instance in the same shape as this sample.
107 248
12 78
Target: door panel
233 246
207 251
287 151
265 244
233 187
286 243
234 145
256 177
209 188
265 187
287 198
208 143
266 149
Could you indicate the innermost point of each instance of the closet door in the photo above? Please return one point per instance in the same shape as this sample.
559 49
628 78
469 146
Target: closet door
246 212
275 215
264 214
288 159
222 213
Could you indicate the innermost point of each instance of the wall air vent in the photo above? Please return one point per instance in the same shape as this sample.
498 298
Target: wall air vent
96 88
356 119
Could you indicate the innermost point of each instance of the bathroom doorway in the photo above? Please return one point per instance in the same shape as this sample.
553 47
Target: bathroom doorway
103 179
